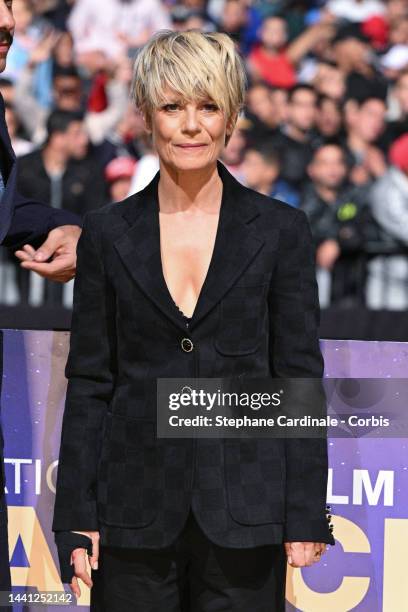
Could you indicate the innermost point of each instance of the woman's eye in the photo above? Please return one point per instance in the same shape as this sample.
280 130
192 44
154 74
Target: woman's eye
210 107
170 107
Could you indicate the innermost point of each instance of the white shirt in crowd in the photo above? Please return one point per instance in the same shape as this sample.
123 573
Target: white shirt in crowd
145 169
355 10
97 26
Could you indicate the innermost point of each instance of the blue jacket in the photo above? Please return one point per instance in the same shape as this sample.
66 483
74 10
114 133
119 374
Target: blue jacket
23 220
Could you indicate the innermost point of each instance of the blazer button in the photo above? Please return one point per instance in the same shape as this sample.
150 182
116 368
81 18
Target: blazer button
187 345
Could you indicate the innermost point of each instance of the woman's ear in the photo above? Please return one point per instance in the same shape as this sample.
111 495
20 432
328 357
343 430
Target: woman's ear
147 121
231 123
230 127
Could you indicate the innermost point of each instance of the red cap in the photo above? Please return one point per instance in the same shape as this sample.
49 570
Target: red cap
377 30
120 167
399 153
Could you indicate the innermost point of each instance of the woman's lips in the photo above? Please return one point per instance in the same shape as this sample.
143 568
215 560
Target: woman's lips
191 146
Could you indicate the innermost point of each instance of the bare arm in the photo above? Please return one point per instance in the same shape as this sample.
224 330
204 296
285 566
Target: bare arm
307 40
100 124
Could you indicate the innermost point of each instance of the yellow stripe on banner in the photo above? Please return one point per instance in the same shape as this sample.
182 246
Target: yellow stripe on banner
42 572
395 592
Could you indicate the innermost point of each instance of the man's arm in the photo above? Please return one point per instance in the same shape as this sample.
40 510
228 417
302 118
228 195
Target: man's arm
32 222
24 224
53 233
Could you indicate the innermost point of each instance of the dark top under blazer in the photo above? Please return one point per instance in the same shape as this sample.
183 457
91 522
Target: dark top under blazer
257 314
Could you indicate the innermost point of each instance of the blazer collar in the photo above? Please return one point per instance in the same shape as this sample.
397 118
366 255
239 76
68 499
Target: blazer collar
236 244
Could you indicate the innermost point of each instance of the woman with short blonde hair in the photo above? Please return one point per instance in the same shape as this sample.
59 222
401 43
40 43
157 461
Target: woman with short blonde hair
195 65
196 277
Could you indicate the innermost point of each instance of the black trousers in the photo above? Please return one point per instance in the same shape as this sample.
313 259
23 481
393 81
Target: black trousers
192 575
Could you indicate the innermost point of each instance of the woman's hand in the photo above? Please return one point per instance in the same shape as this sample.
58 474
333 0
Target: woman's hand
78 559
301 554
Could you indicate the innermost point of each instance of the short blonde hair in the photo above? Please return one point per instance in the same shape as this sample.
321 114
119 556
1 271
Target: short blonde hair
194 64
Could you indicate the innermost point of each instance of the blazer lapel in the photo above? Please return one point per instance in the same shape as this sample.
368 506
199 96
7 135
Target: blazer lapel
236 244
139 249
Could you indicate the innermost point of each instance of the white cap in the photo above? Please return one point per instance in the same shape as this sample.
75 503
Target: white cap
396 58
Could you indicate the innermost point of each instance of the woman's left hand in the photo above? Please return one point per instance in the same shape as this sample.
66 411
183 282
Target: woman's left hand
301 554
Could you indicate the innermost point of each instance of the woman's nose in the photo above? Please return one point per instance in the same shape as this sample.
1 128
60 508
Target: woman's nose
191 121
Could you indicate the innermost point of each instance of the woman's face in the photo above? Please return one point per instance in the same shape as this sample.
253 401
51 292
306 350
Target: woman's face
188 135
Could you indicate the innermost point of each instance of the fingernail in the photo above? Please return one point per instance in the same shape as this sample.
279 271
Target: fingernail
289 559
95 565
39 256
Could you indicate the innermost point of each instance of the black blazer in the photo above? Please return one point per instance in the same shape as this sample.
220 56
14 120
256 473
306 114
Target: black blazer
257 314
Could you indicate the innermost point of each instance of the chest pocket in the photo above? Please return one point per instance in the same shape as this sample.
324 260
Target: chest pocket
242 312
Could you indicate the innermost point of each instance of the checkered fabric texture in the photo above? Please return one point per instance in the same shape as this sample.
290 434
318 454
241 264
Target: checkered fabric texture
257 315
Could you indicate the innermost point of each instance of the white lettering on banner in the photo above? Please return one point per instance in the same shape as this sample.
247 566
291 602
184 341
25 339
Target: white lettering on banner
365 488
38 476
362 481
21 478
385 481
331 498
17 472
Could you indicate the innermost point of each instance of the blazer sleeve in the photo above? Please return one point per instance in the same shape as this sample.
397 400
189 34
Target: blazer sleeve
90 371
32 221
295 353
67 542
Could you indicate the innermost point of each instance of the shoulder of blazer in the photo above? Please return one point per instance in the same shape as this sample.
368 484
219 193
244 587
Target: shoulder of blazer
112 220
115 209
127 208
271 210
271 205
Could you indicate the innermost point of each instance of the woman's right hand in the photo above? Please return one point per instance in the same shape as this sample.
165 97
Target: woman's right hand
78 559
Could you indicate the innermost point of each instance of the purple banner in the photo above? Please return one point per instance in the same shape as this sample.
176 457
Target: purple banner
368 483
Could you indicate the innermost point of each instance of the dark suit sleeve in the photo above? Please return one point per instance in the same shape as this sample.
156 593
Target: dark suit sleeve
90 374
67 542
295 353
32 221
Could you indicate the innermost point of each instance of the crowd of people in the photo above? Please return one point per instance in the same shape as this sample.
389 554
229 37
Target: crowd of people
324 128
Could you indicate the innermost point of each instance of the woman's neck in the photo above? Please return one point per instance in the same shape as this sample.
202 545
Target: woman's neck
189 189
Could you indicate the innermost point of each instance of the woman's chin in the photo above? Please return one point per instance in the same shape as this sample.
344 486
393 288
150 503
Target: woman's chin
193 164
